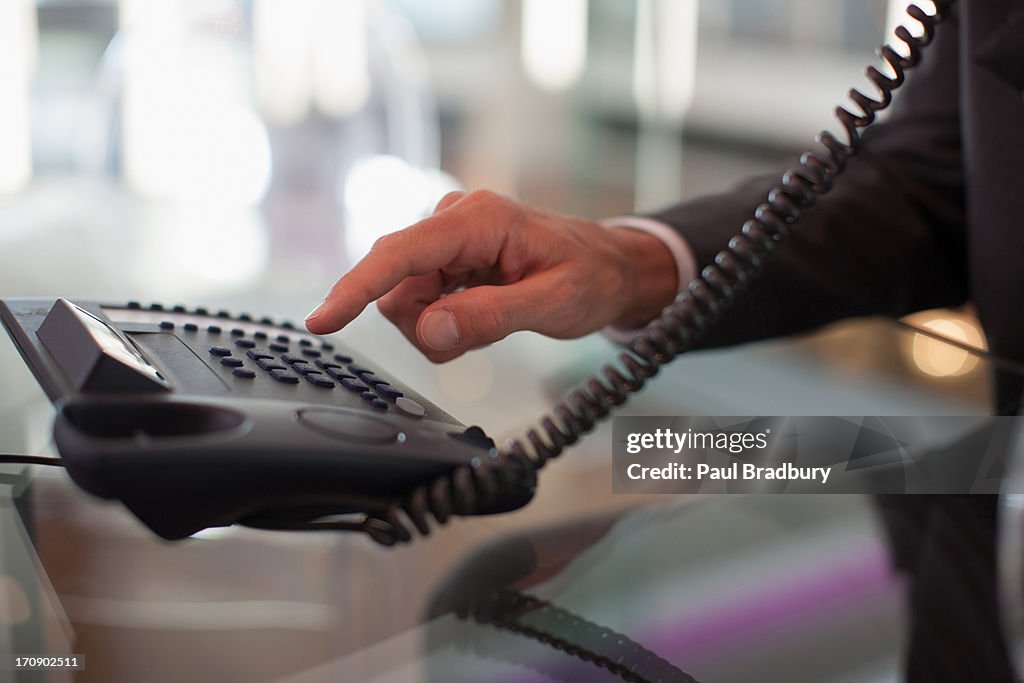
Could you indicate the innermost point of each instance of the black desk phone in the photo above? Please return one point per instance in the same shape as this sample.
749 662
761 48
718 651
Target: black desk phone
196 420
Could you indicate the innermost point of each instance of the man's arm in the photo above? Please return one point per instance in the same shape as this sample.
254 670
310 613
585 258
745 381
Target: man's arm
888 239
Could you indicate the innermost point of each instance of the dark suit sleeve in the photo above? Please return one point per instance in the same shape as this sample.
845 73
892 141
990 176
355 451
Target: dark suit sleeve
888 239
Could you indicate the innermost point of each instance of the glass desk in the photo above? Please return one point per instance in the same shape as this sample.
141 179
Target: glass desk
582 585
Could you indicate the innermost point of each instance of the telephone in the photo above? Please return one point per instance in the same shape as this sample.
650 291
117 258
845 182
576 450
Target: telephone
195 420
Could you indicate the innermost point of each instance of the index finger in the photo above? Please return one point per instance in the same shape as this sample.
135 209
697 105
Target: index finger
429 245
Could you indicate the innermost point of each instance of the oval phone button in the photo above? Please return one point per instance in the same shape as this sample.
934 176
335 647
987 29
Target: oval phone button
347 425
410 407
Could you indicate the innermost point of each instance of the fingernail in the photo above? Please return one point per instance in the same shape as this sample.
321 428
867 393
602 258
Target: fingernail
315 312
439 330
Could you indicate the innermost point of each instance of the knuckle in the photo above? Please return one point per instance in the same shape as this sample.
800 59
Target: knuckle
449 199
383 242
496 213
505 211
484 197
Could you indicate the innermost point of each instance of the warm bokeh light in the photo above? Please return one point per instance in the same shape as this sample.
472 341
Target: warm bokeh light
940 359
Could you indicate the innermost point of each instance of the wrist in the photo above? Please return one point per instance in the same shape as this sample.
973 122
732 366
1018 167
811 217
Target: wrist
651 276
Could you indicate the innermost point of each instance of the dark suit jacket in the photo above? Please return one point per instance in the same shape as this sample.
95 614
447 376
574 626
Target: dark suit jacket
930 213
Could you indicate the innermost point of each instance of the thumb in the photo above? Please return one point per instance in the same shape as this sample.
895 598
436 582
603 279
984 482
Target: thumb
481 315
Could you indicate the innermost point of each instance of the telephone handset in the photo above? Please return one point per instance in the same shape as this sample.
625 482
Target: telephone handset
191 432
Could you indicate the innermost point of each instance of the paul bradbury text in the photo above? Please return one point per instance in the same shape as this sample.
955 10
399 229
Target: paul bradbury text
734 472
812 454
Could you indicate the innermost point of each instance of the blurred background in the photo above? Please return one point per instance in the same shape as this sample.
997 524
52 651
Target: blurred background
247 152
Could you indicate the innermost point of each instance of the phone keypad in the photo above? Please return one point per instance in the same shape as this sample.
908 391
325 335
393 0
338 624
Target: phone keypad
288 358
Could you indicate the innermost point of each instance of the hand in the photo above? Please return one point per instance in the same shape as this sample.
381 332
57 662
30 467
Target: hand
484 266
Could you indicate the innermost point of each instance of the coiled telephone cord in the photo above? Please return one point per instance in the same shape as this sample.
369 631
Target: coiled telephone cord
470 487
558 628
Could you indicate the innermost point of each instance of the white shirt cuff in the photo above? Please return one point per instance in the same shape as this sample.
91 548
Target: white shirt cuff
686 262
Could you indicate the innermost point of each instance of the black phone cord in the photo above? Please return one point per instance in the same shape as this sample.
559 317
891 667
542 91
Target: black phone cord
30 460
551 625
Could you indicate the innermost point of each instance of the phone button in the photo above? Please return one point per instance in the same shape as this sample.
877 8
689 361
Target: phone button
282 375
354 385
387 391
319 380
410 407
348 426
